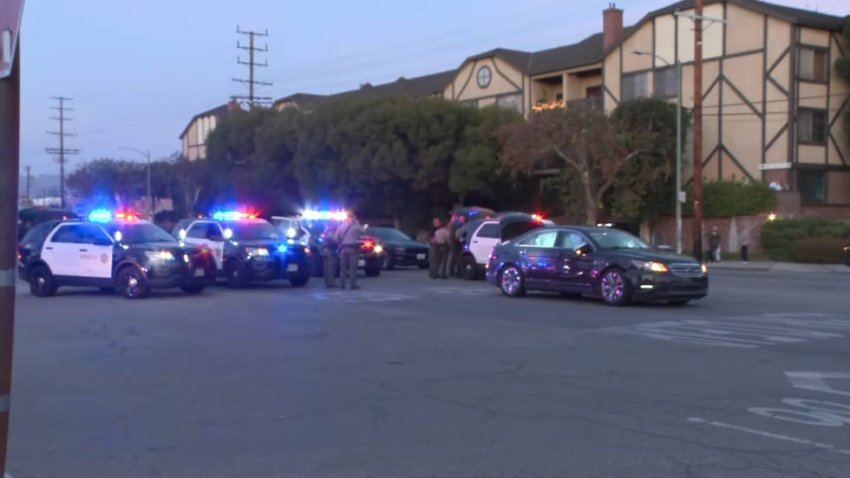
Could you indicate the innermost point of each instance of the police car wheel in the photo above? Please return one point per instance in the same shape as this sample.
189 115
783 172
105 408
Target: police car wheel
469 268
192 289
236 274
299 281
41 281
132 283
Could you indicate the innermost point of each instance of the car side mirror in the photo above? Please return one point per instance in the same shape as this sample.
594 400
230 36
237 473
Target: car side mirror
583 250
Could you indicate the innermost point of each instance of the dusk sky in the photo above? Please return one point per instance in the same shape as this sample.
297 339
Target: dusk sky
138 71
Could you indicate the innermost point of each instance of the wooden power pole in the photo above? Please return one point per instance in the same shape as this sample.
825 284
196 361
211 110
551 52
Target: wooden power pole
697 177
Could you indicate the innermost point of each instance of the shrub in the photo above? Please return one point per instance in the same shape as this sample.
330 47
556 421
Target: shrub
778 238
733 198
819 250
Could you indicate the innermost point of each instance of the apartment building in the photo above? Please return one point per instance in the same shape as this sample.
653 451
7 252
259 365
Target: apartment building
772 99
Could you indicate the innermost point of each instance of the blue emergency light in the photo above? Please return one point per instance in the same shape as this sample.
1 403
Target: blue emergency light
101 215
232 215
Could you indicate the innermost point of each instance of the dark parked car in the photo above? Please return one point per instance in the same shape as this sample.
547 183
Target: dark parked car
595 261
399 248
33 216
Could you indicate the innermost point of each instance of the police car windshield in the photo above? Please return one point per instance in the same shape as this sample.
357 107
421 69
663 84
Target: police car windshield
137 233
252 230
616 239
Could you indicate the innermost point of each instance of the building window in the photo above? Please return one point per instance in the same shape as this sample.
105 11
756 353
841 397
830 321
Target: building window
484 76
513 102
666 84
635 86
812 186
811 126
813 65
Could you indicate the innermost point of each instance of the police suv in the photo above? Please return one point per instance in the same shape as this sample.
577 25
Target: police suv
247 248
112 252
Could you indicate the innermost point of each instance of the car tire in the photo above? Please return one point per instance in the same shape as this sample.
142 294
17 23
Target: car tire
106 290
236 274
512 281
131 283
469 268
42 283
614 287
299 281
389 263
193 289
679 303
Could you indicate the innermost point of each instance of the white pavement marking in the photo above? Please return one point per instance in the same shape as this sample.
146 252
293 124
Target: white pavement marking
361 296
466 291
743 332
766 434
816 381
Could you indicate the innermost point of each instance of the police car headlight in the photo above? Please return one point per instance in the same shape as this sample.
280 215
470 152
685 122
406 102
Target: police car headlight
379 249
291 233
160 256
256 251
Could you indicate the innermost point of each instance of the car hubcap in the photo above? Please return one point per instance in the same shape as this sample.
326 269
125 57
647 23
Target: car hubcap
41 282
132 285
612 287
510 281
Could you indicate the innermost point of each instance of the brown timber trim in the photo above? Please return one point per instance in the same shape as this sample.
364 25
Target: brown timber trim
496 67
468 79
778 134
764 146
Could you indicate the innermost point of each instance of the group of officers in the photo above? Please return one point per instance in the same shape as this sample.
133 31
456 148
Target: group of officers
342 240
446 247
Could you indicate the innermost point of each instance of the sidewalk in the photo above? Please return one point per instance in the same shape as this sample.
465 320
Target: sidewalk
766 266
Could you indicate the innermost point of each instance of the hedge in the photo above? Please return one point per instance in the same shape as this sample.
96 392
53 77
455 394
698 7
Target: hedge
782 240
733 198
819 250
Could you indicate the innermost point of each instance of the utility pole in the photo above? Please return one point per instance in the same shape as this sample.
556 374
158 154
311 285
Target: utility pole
61 151
10 153
29 182
697 176
252 64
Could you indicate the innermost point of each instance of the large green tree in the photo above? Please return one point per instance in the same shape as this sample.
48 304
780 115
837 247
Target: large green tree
615 165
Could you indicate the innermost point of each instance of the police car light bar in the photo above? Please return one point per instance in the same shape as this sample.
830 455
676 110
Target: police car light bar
100 215
233 215
315 215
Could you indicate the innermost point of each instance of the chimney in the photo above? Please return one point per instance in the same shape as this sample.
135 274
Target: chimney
232 106
612 26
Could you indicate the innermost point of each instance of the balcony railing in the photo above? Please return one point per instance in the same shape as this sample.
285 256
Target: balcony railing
548 105
593 103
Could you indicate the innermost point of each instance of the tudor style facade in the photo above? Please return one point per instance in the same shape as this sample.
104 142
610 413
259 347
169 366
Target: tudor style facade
772 99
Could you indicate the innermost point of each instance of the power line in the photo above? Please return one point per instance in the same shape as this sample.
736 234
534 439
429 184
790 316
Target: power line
61 151
252 64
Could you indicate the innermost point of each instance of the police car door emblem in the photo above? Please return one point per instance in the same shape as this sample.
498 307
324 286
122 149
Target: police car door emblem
104 258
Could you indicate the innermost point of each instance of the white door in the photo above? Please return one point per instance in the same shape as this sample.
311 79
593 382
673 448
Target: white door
485 238
61 250
95 252
200 234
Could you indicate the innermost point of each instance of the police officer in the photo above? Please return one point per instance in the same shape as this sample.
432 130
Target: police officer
433 264
455 245
329 251
348 236
443 241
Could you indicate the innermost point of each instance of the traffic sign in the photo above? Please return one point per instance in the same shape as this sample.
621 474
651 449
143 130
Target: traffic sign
11 12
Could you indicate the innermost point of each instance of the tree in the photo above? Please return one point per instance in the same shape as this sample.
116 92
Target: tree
109 182
586 142
842 64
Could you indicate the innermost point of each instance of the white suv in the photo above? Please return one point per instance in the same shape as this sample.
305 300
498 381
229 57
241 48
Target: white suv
485 234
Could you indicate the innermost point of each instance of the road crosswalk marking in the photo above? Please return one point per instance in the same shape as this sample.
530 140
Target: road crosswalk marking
356 296
743 332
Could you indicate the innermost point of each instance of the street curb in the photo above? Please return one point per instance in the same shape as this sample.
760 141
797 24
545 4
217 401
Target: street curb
782 267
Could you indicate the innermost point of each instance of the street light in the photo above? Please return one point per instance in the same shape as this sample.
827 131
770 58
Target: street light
679 193
147 155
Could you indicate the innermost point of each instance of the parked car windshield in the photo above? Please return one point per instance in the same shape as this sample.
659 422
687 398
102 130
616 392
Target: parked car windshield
138 233
388 234
616 239
252 230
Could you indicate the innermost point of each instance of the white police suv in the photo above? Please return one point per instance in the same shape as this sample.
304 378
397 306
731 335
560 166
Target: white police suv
112 252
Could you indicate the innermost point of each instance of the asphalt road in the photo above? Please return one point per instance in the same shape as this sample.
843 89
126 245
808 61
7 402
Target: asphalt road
411 377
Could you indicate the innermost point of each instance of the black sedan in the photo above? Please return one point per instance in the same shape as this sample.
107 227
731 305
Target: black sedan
400 249
595 261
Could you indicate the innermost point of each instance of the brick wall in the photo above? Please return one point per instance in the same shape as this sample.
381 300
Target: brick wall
734 232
